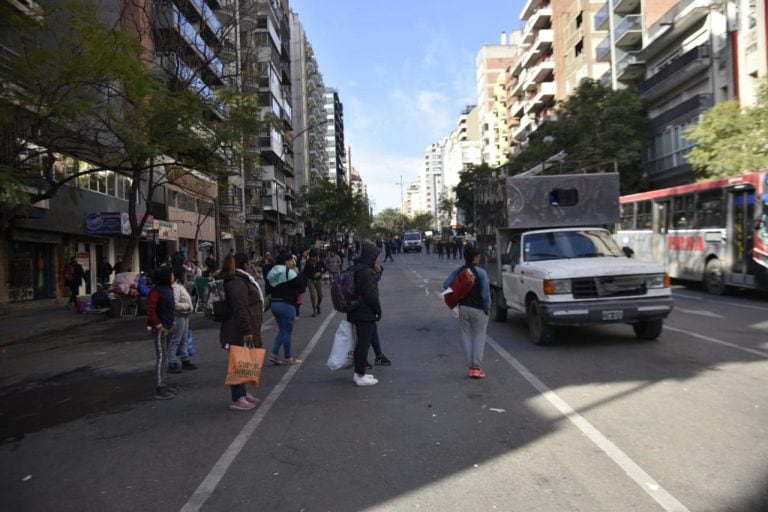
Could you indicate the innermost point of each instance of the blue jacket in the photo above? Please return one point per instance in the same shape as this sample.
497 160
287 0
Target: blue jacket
482 283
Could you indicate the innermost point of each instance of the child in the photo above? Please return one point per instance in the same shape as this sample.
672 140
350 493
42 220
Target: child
160 317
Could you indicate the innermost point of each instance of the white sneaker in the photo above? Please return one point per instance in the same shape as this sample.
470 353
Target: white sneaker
365 380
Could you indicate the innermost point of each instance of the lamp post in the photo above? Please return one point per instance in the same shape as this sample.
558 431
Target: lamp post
402 213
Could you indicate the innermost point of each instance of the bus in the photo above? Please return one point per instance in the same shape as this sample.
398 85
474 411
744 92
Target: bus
712 232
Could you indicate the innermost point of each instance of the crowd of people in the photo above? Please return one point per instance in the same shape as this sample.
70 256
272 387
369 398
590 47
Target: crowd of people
286 279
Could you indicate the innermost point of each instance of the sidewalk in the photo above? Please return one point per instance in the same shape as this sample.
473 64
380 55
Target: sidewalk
19 325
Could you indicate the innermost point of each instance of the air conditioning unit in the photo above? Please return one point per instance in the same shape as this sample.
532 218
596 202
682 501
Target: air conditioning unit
266 191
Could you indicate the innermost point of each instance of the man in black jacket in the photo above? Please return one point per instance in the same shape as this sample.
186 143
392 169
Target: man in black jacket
368 313
313 274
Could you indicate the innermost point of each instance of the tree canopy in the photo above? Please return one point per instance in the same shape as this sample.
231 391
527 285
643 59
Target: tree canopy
388 222
83 87
595 125
333 208
729 139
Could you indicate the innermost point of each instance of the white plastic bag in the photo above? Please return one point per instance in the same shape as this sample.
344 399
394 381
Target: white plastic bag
343 349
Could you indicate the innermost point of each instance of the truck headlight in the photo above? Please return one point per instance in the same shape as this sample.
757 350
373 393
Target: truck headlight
557 286
658 281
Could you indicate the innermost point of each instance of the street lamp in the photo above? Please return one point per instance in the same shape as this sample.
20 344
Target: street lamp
402 213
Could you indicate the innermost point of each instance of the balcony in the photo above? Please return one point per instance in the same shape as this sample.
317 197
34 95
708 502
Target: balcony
629 32
602 16
630 68
530 57
603 50
541 18
543 96
543 70
531 6
676 72
518 108
543 41
626 6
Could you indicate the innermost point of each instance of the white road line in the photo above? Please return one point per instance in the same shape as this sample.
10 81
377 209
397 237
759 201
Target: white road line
630 467
700 312
621 459
719 301
211 481
720 342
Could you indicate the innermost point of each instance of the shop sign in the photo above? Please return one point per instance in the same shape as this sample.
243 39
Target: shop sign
84 259
166 230
107 223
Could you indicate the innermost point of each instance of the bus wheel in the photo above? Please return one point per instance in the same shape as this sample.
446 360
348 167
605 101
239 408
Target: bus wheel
714 280
540 331
648 330
498 307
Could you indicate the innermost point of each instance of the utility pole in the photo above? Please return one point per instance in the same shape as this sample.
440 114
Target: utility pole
402 213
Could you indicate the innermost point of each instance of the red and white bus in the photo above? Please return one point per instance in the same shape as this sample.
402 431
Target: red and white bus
714 232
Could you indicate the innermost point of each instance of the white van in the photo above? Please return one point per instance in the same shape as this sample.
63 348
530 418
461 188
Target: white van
412 241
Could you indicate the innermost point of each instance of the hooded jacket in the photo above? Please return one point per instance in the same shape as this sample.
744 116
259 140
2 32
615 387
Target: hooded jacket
367 286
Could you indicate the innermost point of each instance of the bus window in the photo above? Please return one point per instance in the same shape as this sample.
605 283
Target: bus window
683 207
709 209
628 216
644 215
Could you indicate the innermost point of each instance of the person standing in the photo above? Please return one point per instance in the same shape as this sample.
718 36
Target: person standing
313 273
178 337
160 318
365 316
118 266
333 264
73 277
286 285
473 312
210 266
388 250
246 302
104 271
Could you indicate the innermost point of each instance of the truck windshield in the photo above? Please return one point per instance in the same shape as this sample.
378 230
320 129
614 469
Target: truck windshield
412 237
559 245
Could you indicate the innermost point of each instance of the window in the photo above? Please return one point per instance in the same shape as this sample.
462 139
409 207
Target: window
644 215
683 212
627 216
709 209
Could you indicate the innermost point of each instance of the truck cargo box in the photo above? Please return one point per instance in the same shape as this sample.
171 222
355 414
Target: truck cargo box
565 200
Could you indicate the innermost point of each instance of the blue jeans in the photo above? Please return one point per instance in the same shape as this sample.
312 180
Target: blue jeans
375 344
178 339
285 315
238 392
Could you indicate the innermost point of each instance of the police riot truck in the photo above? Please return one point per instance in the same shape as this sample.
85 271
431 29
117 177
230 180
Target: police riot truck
553 258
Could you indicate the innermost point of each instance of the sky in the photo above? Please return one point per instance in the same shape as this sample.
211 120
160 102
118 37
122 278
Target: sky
404 70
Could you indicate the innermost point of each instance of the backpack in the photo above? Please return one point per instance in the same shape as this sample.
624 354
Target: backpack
343 292
460 287
69 272
216 305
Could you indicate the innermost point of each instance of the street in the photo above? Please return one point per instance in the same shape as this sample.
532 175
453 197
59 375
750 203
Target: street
600 421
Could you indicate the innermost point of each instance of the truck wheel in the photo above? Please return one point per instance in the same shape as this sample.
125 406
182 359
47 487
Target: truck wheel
498 306
714 278
541 332
649 329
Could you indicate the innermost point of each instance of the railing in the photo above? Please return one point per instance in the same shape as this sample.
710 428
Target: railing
602 16
674 67
628 23
603 50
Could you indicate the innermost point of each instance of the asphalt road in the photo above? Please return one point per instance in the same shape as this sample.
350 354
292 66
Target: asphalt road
600 421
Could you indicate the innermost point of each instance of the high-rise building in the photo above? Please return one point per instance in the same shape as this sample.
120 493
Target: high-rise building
334 135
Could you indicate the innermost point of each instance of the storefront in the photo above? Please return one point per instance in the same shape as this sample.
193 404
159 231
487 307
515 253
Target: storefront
32 265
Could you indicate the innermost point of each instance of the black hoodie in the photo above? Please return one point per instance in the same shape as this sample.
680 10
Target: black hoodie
367 286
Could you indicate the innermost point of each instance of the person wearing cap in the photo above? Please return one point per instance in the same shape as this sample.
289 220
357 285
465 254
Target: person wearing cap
243 327
285 285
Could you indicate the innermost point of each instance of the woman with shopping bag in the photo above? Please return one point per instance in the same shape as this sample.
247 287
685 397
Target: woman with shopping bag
241 332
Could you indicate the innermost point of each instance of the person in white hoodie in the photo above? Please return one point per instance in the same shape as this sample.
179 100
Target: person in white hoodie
178 340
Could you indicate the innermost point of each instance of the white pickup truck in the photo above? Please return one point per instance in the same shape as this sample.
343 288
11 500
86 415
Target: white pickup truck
559 270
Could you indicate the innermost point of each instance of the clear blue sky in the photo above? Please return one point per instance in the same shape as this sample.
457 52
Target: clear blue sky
404 69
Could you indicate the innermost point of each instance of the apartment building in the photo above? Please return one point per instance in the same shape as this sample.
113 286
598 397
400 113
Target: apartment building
88 218
491 63
334 135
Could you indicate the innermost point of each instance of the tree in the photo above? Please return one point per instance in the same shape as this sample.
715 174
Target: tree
333 208
84 89
730 140
446 205
472 177
595 126
388 221
421 222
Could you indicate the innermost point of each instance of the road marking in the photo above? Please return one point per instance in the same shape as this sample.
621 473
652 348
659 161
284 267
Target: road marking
630 467
720 342
700 312
211 481
719 301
